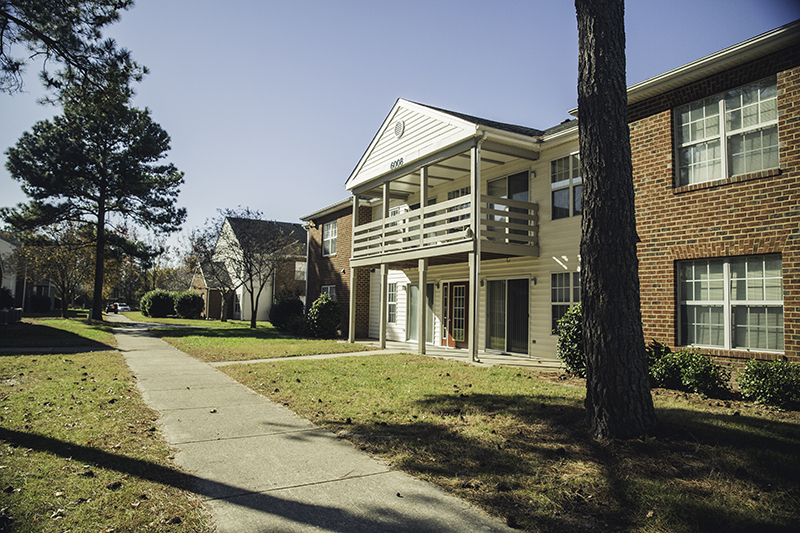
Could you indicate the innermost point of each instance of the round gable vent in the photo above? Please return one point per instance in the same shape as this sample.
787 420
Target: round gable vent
399 128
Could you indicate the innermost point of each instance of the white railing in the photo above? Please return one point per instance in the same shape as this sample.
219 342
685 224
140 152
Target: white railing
503 221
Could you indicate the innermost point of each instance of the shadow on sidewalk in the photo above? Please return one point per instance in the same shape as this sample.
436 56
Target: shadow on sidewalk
323 517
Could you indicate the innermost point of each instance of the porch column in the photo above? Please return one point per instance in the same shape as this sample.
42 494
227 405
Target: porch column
384 297
423 305
351 334
475 255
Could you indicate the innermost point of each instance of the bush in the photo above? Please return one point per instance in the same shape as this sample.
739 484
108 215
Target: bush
297 326
188 304
569 346
774 383
157 304
323 318
284 311
687 370
6 300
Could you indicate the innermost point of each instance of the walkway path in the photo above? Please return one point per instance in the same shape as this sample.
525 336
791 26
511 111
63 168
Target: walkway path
261 468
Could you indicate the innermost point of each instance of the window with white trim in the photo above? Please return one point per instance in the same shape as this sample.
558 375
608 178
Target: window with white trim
391 304
732 303
566 186
330 290
329 232
299 270
745 141
565 291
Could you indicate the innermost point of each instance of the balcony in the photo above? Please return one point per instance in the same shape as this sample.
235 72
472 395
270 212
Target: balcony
443 233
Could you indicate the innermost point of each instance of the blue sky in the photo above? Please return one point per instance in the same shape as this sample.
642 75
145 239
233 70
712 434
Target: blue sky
270 104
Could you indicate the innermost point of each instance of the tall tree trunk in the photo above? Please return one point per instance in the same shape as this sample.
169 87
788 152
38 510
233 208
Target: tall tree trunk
618 401
97 300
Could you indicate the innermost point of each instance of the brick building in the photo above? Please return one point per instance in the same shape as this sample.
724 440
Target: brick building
715 149
328 262
468 230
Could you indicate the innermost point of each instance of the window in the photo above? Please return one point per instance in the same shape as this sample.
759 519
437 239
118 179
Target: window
329 231
459 193
330 290
299 270
732 303
745 141
565 184
514 187
391 304
565 289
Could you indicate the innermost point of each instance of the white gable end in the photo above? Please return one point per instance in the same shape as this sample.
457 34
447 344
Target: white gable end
409 133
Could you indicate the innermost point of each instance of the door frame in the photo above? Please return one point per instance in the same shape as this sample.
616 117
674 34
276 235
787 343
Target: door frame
448 308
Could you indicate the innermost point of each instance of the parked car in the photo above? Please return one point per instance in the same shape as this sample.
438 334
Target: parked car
112 308
123 307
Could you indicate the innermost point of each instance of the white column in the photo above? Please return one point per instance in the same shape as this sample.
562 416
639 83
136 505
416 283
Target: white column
384 297
475 255
423 305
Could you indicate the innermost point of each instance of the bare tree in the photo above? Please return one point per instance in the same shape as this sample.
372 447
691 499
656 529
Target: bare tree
618 399
62 254
241 248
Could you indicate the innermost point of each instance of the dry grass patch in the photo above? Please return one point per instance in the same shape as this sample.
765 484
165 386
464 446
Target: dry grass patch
514 442
79 451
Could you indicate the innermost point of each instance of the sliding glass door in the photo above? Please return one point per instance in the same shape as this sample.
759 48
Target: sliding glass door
507 315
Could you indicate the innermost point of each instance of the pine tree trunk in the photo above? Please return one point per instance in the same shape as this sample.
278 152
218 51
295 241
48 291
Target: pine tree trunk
618 401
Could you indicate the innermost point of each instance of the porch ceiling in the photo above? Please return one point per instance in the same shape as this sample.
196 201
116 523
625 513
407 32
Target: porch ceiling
444 259
447 170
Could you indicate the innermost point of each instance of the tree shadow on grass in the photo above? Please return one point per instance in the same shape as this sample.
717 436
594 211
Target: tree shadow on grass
17 338
325 518
220 333
702 472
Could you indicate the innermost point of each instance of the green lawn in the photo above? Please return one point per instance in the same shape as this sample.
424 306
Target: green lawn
45 332
514 442
79 450
215 341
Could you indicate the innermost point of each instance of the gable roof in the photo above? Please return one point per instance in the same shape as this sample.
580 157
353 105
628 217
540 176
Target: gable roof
414 135
214 271
241 226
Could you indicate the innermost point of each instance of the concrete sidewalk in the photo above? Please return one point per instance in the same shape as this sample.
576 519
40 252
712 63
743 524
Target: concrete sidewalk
261 468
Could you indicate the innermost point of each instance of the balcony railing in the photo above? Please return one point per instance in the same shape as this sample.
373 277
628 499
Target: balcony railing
503 222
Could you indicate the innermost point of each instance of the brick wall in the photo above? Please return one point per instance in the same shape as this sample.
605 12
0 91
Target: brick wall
745 215
327 270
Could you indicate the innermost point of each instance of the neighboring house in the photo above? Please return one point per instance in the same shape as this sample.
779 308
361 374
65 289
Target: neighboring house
205 282
8 271
239 230
328 258
471 235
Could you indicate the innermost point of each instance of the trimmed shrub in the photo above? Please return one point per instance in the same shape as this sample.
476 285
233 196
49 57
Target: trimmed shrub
296 325
157 304
688 370
775 383
6 300
188 304
569 346
284 311
323 318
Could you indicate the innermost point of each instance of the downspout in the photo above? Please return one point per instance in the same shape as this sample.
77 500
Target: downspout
476 246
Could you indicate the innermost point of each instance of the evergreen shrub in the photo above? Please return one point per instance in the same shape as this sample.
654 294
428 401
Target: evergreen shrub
688 370
284 310
324 318
157 304
188 304
775 383
569 346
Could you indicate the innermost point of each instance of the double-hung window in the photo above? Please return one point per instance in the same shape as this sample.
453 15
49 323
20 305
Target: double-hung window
566 186
731 133
391 304
329 232
732 303
330 290
565 291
